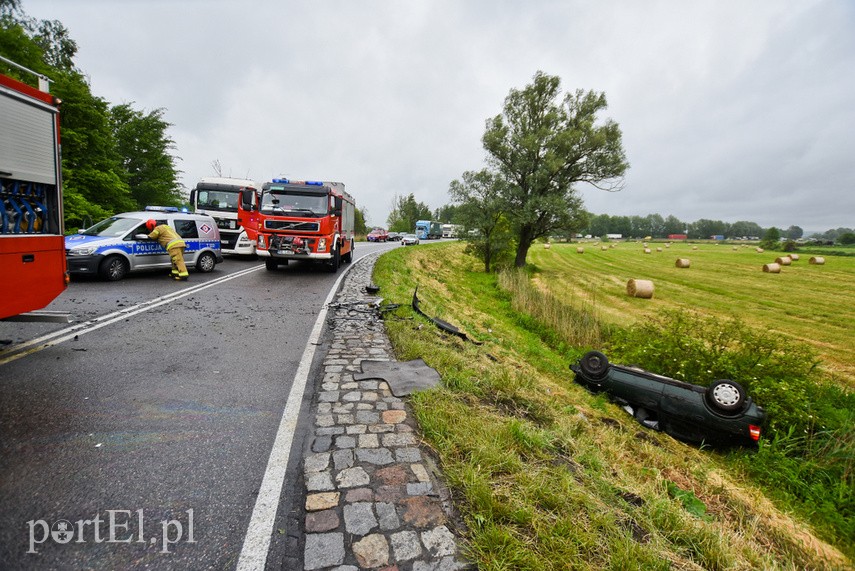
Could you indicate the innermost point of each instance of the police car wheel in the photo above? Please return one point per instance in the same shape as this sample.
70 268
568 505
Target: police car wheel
113 268
206 263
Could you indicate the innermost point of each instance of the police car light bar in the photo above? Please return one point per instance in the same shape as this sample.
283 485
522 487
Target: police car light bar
162 209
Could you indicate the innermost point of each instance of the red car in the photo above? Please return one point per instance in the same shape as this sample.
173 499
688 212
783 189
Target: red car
378 235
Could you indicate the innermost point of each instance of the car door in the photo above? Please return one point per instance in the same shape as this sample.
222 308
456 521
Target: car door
186 228
146 253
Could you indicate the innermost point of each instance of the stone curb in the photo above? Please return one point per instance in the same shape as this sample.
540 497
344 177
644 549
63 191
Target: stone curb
373 500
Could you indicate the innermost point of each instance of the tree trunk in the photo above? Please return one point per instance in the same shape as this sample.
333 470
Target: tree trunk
523 246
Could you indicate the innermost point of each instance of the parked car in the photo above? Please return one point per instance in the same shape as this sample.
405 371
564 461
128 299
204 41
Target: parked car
378 235
409 240
720 413
120 244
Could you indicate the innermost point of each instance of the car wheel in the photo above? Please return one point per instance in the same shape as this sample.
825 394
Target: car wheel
271 264
594 364
113 268
206 262
726 395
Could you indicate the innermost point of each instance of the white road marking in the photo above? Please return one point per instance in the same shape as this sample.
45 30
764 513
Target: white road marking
62 335
256 544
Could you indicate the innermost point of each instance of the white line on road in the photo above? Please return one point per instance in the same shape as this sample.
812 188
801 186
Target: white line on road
62 335
256 544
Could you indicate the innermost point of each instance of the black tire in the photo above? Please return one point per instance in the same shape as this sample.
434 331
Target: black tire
335 260
726 395
594 365
206 262
271 264
113 268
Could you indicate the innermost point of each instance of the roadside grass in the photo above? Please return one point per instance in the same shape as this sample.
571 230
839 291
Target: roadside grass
548 476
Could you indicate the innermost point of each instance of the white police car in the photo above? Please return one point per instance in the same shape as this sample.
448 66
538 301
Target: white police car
120 244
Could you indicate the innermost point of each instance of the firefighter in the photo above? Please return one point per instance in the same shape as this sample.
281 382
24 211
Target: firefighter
173 243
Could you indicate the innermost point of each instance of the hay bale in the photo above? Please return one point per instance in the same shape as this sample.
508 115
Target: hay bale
772 268
604 248
547 245
794 257
817 260
784 260
683 263
658 249
639 288
760 250
580 250
694 247
647 250
736 248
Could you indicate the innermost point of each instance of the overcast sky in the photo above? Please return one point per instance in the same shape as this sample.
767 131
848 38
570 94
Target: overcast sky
730 109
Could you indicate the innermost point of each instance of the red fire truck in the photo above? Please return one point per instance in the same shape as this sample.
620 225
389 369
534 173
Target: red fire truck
299 220
32 246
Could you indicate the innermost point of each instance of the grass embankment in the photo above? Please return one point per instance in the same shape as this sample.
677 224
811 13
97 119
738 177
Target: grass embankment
548 476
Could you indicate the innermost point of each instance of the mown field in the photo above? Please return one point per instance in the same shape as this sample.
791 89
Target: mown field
814 304
546 475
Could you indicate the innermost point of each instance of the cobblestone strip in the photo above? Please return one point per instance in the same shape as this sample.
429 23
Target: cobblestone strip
372 501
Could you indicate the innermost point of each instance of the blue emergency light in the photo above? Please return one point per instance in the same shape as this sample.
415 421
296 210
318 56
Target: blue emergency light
161 209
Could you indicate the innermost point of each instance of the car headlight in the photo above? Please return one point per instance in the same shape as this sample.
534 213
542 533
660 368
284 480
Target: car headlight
85 251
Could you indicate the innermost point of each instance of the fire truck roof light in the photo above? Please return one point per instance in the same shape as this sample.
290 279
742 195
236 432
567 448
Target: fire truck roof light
281 180
314 183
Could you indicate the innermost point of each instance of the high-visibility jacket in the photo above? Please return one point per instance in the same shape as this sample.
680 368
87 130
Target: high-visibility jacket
167 237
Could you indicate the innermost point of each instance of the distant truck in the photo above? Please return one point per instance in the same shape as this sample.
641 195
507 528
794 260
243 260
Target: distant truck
218 197
299 220
428 230
678 236
449 230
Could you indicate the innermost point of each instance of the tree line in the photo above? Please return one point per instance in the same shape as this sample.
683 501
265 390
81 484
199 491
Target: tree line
115 158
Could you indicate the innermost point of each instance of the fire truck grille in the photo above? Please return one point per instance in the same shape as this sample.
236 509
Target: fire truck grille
288 225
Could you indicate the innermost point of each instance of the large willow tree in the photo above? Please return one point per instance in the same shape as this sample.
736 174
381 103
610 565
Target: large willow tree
544 143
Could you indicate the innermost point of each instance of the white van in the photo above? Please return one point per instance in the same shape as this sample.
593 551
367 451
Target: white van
120 244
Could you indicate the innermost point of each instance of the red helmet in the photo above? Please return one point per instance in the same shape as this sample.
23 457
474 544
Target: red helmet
150 224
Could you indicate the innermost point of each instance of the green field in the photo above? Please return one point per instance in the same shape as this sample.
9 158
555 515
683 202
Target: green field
814 304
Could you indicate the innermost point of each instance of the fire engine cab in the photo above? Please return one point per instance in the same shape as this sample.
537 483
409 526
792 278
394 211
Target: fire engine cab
299 220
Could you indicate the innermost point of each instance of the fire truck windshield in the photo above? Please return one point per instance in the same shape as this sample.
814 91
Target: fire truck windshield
290 202
225 200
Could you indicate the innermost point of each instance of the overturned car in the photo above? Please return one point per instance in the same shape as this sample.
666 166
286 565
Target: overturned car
721 413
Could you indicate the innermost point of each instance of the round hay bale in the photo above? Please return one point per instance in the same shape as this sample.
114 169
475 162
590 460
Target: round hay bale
760 250
668 245
784 260
612 245
658 249
639 288
817 260
604 248
736 247
772 268
547 245
694 247
647 250
794 257
683 263
580 250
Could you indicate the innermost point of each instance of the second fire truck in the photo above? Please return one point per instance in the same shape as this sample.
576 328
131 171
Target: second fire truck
300 220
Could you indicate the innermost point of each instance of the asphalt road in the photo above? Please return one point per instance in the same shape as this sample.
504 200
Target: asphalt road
155 423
